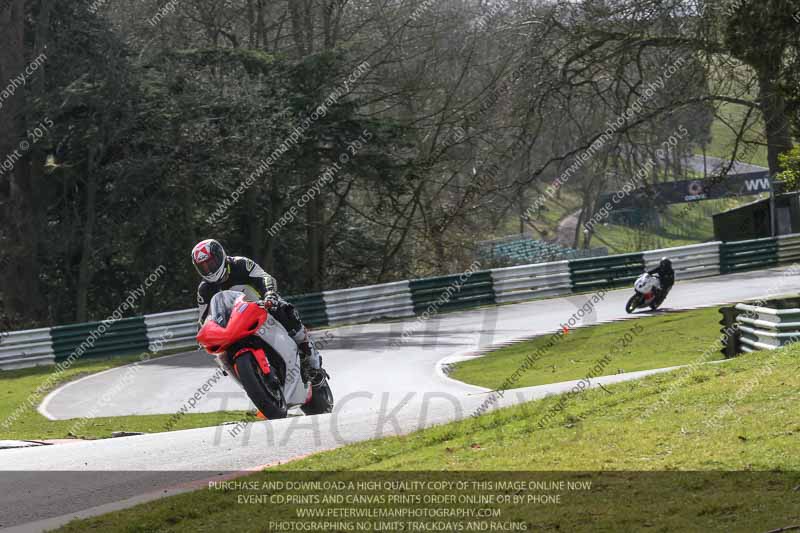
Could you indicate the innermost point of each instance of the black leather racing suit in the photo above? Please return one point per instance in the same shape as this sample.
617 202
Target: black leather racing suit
667 277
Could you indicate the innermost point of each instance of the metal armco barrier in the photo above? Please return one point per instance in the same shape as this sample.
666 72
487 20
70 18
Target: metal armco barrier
526 282
765 328
123 337
788 249
22 349
748 255
362 304
603 272
689 262
311 308
458 291
177 329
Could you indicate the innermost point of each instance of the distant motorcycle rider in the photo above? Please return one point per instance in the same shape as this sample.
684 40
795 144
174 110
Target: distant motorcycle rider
665 274
221 272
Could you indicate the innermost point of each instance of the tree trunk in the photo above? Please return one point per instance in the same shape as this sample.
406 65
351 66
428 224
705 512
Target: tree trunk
581 219
439 252
252 35
273 215
20 286
315 245
261 26
301 16
254 229
85 267
776 125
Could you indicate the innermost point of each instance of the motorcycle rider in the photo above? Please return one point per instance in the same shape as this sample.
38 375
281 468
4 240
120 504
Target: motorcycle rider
666 276
221 272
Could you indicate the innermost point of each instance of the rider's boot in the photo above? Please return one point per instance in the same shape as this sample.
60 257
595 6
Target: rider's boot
311 363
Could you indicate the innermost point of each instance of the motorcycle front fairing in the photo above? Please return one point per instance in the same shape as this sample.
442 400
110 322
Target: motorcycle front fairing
232 318
225 326
647 285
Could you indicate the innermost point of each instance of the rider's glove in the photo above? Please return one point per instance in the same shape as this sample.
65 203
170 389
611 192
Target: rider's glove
270 301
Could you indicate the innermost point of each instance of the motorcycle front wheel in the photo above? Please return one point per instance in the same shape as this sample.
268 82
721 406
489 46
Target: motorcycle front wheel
264 390
634 303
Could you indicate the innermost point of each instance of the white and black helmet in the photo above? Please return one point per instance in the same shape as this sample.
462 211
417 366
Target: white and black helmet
209 259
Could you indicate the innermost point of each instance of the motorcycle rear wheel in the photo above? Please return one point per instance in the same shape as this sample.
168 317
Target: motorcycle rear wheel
634 303
264 390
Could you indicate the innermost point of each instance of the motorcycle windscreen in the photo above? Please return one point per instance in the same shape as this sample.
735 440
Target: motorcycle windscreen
221 305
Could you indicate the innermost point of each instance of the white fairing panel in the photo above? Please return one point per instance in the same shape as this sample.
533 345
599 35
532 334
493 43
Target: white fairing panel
276 336
646 283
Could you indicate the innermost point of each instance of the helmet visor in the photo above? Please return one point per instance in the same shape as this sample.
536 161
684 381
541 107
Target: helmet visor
210 266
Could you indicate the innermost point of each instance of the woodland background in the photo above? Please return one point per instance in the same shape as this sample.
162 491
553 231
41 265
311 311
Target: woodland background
145 116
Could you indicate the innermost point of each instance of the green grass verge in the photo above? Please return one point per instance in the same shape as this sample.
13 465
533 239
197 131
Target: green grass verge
741 415
658 423
629 346
17 386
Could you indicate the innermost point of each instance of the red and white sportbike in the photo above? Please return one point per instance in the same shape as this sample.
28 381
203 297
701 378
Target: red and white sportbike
256 350
648 293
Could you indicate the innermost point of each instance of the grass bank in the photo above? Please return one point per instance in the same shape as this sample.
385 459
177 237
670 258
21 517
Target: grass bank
738 416
17 386
669 339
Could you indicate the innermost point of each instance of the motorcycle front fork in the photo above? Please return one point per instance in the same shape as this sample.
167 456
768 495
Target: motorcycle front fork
225 366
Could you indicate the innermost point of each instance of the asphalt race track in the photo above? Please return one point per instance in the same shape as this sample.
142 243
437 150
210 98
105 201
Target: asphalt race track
384 384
